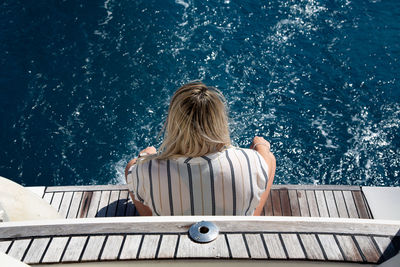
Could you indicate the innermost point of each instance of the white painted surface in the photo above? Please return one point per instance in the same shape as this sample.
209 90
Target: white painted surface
6 260
383 202
21 204
38 190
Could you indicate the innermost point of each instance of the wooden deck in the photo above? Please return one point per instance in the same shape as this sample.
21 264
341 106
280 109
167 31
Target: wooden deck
284 200
261 238
338 228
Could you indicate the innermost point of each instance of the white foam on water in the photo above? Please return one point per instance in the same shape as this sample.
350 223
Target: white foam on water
325 131
108 9
185 31
370 149
119 171
182 3
300 20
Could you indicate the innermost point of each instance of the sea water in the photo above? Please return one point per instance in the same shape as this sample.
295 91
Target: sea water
85 85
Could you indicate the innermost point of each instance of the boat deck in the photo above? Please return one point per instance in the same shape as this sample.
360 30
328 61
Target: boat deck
139 238
315 223
284 200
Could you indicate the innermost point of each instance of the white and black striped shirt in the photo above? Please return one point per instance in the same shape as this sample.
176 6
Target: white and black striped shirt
230 182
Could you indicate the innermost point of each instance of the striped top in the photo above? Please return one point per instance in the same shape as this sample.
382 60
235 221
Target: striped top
230 182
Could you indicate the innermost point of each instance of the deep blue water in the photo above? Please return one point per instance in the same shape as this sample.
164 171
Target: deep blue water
86 84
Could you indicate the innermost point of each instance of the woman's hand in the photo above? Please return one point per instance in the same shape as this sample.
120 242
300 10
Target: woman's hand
259 143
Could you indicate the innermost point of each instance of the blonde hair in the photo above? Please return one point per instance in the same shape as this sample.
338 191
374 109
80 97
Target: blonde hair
197 123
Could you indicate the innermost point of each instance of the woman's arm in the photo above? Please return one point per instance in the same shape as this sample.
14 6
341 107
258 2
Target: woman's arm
141 208
262 146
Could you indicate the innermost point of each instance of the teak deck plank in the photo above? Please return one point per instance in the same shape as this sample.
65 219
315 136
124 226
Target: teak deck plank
188 249
312 247
351 206
93 248
276 203
74 249
4 245
321 202
330 247
122 203
85 203
268 206
75 204
36 250
302 198
112 247
65 204
340 203
131 247
256 246
149 247
294 203
349 248
130 208
112 204
237 246
285 202
293 247
274 246
55 250
94 204
312 203
167 246
104 200
367 248
360 204
18 248
331 204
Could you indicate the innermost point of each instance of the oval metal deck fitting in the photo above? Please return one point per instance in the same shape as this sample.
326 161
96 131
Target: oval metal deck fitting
203 232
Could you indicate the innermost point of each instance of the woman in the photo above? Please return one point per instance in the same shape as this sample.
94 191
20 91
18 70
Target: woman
197 171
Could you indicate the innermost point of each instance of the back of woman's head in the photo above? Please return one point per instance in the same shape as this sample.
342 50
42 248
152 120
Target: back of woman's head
197 122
